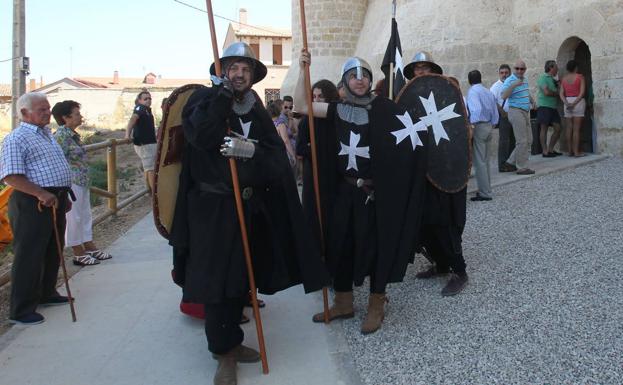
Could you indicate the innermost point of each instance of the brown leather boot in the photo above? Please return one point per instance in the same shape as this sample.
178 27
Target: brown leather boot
342 307
226 371
376 313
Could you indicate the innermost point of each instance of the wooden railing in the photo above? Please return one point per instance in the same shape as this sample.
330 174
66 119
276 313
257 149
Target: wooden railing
111 194
111 170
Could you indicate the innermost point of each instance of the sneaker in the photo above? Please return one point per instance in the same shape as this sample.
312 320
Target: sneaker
455 285
33 318
55 301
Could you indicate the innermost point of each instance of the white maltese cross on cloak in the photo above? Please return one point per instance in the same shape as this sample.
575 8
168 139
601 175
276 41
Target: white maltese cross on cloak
353 151
246 128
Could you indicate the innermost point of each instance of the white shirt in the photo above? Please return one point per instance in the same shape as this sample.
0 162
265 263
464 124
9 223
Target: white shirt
496 90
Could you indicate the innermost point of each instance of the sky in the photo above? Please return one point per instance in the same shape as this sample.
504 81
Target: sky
78 38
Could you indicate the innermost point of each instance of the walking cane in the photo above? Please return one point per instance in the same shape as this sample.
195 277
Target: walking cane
243 227
59 249
314 155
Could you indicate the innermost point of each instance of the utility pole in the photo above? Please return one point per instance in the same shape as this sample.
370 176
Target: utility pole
19 52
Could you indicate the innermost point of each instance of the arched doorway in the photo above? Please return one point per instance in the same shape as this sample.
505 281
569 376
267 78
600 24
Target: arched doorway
576 49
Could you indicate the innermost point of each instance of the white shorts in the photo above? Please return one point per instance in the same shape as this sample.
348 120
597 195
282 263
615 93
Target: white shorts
147 153
578 110
79 221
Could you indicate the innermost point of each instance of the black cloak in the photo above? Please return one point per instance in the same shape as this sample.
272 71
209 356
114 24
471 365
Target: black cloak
398 173
208 254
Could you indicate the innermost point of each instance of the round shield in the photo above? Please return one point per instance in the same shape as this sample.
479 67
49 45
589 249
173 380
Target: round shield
437 101
169 158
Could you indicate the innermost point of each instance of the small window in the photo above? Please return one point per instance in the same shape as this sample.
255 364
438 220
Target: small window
271 94
277 54
255 47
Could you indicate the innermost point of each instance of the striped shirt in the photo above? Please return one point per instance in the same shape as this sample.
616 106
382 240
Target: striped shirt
520 97
31 151
482 105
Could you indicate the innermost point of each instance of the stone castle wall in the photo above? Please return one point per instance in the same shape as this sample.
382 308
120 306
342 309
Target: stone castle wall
476 34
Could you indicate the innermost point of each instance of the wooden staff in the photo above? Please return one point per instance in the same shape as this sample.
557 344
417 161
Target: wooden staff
59 250
243 227
314 154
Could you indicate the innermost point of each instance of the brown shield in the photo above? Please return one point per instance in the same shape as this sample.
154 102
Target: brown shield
169 158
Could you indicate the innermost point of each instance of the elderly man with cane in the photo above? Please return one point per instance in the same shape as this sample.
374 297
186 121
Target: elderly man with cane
33 163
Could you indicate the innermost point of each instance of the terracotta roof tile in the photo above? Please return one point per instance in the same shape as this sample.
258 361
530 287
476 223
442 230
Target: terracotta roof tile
138 82
260 30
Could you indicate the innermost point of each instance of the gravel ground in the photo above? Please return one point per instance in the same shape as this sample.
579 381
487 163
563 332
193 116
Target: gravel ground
544 304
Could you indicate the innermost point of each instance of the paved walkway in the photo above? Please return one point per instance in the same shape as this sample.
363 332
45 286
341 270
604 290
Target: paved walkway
129 330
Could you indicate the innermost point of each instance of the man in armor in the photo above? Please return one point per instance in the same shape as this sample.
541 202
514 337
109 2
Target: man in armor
422 64
374 190
220 122
444 213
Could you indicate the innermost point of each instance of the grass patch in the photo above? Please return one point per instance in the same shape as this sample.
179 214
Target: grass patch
98 176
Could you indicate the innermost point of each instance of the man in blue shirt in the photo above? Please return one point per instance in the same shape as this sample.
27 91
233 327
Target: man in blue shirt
517 94
483 114
33 163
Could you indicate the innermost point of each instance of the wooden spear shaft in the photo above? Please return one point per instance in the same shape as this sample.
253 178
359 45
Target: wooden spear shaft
314 154
239 209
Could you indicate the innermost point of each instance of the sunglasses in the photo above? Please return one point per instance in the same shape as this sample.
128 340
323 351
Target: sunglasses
287 107
520 68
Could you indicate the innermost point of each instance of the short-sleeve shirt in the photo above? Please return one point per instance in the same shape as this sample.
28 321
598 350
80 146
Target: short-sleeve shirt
496 89
520 97
70 142
546 80
353 143
31 151
144 131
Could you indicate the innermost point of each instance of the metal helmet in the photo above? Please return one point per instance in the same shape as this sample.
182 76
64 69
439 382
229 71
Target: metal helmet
422 57
356 63
242 50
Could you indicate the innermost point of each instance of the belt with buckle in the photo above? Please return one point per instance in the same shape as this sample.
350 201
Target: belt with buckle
223 189
367 185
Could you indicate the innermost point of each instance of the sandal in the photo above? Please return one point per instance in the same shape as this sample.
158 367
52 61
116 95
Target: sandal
99 254
85 260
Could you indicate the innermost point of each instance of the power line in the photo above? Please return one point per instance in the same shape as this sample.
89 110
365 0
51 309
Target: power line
5 60
228 19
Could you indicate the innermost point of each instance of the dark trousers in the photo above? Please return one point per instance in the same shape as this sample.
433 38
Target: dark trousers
36 261
344 275
506 142
222 325
444 246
